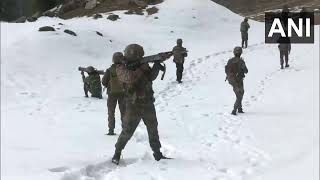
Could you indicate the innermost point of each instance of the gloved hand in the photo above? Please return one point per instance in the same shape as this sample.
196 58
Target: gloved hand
82 73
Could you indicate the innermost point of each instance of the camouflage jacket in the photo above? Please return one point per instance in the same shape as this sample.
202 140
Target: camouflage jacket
178 55
284 47
244 27
138 82
94 82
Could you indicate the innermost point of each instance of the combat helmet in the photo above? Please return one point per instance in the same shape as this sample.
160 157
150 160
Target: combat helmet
117 57
90 69
179 42
133 52
237 51
246 19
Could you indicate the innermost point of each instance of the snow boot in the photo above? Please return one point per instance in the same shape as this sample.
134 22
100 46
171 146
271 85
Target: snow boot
281 66
111 132
158 156
116 158
234 112
240 110
287 65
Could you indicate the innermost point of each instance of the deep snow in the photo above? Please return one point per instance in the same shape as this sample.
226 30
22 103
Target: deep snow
50 131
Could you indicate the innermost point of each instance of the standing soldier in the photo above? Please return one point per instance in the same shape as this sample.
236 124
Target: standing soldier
284 48
92 82
236 70
244 28
139 100
179 53
115 91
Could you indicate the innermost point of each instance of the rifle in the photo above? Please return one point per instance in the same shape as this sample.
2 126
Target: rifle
83 69
157 58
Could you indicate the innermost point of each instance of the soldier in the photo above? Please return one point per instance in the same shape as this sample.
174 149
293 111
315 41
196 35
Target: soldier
92 83
284 48
115 91
179 53
244 28
139 101
236 70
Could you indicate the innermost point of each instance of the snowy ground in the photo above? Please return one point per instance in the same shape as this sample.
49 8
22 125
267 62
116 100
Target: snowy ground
50 131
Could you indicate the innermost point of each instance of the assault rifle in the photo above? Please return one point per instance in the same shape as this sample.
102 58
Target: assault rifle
157 58
83 69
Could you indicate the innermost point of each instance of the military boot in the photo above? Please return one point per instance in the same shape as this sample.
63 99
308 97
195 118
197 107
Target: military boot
234 112
281 66
116 157
240 110
287 65
111 132
158 156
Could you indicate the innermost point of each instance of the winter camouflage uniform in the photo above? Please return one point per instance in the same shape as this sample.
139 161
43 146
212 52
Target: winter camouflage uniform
284 49
115 91
92 83
139 101
236 70
244 28
179 54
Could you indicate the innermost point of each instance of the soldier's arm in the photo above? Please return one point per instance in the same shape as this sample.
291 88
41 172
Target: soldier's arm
289 47
244 67
106 78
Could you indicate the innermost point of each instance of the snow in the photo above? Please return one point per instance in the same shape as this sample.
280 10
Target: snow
50 131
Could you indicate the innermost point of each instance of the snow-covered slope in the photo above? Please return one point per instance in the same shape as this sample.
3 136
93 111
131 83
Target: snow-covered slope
50 131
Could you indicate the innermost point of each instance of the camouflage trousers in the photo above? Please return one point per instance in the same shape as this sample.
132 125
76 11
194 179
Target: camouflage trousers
112 103
284 55
179 71
94 92
134 114
239 92
244 37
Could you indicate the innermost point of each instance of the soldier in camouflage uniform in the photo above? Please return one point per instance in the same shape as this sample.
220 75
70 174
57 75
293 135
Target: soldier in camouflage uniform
285 49
244 28
236 70
139 101
179 54
92 83
115 91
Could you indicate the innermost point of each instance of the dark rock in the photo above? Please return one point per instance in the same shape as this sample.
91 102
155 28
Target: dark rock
97 16
99 33
46 28
172 31
60 24
70 32
152 10
32 19
22 19
49 14
113 17
156 17
110 41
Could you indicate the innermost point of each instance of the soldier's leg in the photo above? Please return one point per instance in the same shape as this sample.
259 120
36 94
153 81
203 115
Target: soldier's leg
246 43
241 93
111 103
242 43
150 120
122 107
281 59
286 57
131 121
86 89
179 71
237 92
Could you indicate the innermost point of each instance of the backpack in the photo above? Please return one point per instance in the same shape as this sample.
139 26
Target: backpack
115 86
232 68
